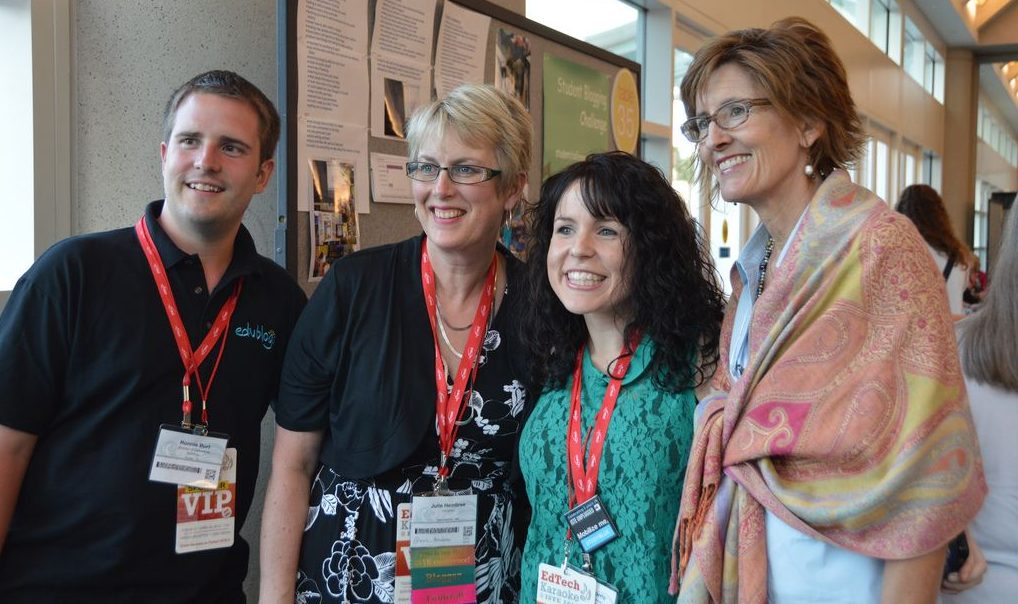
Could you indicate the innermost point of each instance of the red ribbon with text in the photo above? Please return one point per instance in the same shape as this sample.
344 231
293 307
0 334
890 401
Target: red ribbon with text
450 405
584 479
191 359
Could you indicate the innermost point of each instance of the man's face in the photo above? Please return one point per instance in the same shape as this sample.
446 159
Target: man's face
211 166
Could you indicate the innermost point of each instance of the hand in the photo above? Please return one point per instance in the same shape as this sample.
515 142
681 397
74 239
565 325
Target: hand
971 572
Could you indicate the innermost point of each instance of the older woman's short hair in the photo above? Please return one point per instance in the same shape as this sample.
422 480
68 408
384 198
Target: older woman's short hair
480 115
795 66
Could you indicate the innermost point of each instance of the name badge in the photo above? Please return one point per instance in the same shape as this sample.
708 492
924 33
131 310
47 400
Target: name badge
606 594
442 560
206 518
402 580
185 458
557 585
591 525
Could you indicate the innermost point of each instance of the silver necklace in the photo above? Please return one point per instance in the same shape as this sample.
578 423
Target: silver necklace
438 310
445 336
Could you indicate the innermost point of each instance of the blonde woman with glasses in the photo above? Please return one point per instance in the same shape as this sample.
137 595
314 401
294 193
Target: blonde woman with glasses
404 378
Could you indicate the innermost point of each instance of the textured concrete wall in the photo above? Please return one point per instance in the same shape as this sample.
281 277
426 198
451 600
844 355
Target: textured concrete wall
129 57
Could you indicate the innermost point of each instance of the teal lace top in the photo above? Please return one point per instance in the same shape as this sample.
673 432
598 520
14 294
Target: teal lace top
640 483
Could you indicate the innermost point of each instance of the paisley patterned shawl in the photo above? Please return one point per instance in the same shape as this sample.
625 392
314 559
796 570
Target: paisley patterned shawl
851 422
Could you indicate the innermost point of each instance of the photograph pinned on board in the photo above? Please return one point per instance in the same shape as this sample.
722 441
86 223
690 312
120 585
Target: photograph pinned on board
334 228
395 108
512 65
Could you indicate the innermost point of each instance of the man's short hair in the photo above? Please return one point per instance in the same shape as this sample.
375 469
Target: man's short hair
229 84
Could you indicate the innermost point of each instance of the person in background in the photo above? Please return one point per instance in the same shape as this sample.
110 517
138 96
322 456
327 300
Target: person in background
623 298
925 208
391 335
986 341
837 456
115 341
977 287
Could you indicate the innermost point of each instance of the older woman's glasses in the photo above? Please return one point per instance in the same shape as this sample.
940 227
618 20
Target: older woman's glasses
464 175
730 115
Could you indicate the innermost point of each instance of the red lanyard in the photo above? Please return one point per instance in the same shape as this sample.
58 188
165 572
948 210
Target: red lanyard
192 359
584 480
449 405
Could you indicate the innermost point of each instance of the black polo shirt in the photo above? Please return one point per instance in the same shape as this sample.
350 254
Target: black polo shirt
88 362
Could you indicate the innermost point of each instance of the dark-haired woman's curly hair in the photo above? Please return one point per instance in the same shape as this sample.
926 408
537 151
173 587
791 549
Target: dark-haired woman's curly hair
674 294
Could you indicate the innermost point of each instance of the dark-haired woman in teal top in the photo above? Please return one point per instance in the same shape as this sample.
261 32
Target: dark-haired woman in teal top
622 324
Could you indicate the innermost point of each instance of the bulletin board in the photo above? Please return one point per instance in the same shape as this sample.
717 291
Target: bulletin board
352 71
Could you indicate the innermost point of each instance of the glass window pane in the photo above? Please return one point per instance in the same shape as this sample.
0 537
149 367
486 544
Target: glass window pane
608 24
855 11
879 23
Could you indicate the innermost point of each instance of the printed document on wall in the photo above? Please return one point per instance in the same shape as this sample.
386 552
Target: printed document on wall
332 60
462 48
400 63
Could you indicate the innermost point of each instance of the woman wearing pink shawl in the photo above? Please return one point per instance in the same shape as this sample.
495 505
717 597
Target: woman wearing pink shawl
837 456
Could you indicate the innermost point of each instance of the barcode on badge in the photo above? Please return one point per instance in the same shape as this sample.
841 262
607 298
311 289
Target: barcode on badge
436 531
178 467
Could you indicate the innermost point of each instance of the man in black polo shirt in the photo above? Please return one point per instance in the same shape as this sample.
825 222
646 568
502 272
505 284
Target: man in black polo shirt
170 332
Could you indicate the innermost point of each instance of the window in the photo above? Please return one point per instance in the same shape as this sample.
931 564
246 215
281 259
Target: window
981 221
932 170
878 19
855 11
16 229
909 160
35 107
724 219
885 27
922 61
997 136
609 24
878 159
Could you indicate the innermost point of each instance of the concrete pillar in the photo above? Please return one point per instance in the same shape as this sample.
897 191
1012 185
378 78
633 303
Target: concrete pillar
961 102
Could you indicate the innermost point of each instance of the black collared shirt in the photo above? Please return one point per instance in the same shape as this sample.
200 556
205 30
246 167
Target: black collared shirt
88 363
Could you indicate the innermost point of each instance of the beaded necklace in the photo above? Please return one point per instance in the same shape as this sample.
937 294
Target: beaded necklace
763 266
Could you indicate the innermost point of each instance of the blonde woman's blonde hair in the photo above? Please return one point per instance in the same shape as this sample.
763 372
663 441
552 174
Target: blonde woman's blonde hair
481 116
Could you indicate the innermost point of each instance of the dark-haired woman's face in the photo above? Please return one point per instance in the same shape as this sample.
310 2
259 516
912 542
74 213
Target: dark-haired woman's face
586 259
759 161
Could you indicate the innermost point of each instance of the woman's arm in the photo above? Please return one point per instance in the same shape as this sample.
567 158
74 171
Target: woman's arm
294 459
971 573
914 580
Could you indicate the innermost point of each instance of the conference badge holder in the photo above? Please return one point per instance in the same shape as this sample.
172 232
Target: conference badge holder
443 533
206 518
590 523
190 457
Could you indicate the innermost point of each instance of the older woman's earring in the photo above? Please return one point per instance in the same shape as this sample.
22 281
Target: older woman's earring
809 170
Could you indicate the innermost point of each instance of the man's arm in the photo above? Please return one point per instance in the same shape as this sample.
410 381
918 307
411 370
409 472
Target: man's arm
915 580
294 459
15 452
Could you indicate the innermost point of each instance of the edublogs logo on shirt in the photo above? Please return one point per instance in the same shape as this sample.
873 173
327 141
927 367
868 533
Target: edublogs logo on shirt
267 337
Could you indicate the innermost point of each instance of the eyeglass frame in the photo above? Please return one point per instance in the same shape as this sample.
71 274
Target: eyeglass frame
489 173
748 103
